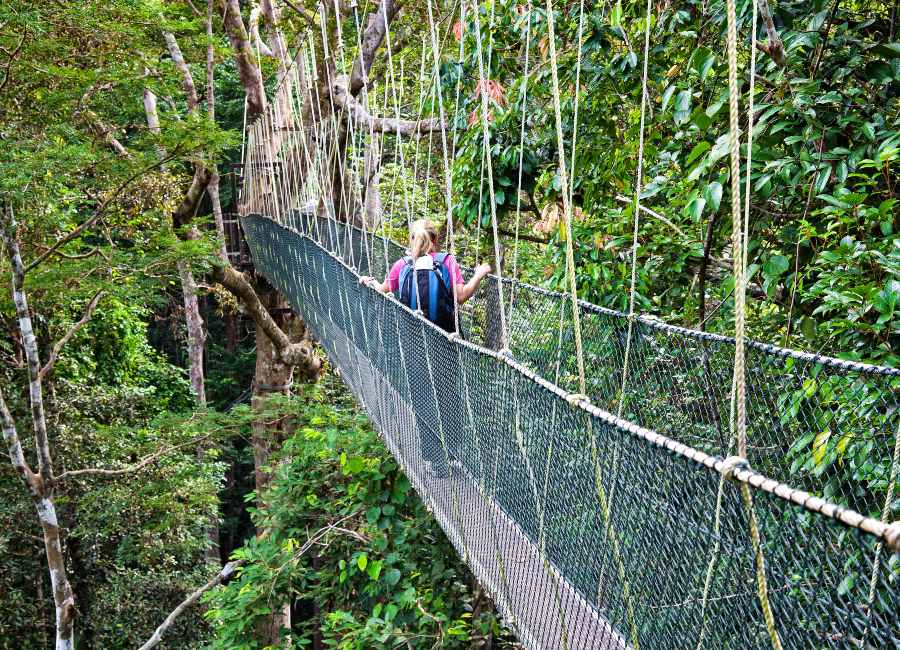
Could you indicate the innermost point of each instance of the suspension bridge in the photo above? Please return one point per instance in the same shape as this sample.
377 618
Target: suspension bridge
614 481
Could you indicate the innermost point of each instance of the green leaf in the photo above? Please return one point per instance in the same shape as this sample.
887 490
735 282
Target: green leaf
615 15
682 107
713 194
720 149
880 71
775 266
868 130
815 23
714 108
700 119
836 202
392 577
846 585
702 62
695 208
808 327
362 561
822 179
887 50
841 171
820 446
667 96
699 149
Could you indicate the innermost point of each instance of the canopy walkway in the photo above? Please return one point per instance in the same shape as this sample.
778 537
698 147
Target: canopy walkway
597 486
521 506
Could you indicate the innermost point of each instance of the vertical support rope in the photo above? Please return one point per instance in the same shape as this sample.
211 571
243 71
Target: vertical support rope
638 186
515 271
567 207
448 175
486 133
879 547
738 243
608 527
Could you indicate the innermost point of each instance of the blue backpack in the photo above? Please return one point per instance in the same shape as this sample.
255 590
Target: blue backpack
435 291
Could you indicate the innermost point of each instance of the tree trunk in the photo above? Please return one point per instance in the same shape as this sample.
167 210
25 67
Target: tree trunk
244 58
62 590
271 376
373 209
196 338
215 199
40 484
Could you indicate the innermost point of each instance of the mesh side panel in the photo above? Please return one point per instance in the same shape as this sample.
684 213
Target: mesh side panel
822 424
516 476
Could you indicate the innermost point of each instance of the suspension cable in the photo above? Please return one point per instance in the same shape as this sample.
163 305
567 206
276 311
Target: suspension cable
515 271
486 133
638 187
738 243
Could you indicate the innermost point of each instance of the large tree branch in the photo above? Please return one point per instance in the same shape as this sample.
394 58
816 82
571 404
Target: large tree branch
131 469
228 570
248 70
10 59
308 17
412 128
60 344
290 353
262 46
40 485
187 79
14 446
774 48
104 132
187 208
372 37
221 577
523 236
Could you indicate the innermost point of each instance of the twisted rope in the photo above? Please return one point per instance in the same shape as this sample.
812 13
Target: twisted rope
486 133
740 387
637 209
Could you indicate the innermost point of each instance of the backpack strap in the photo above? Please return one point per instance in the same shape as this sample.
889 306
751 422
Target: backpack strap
404 281
433 285
441 267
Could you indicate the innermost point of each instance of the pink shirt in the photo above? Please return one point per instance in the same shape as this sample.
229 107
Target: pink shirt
393 278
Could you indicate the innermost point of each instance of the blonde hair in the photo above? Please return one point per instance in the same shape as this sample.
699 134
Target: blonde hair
422 236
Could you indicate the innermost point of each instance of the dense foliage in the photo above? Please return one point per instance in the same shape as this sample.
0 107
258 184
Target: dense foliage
823 242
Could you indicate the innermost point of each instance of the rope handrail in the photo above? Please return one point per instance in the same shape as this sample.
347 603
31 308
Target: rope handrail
341 319
655 323
888 533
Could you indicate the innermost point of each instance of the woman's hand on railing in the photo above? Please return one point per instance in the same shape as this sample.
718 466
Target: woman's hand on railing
372 283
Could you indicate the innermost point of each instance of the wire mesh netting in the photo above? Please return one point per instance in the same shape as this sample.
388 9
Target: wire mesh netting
823 424
518 477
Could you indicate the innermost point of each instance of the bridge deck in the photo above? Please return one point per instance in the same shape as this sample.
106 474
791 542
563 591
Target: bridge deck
525 588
